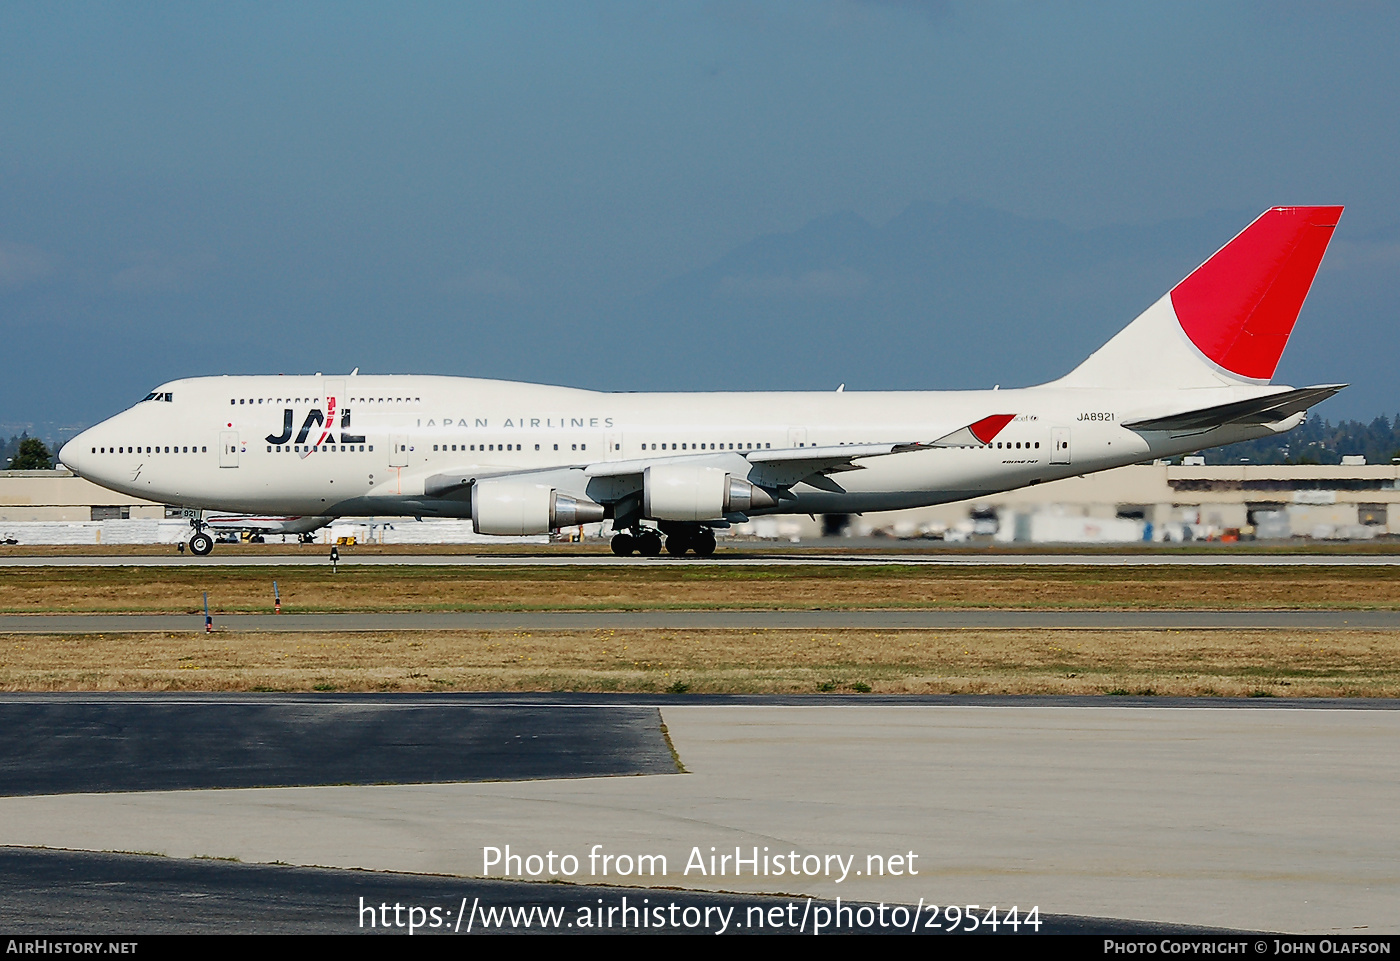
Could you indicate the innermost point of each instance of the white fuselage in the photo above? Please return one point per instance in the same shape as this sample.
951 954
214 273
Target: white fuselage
229 443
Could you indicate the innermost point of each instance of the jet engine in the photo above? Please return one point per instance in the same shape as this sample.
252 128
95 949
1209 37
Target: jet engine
678 492
513 507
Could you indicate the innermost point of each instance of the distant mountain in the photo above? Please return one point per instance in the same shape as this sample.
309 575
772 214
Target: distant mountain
948 295
944 295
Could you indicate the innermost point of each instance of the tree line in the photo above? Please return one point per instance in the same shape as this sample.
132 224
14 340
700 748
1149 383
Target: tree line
22 452
1318 441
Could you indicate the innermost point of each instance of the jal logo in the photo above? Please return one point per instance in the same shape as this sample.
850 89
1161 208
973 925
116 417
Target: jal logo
321 421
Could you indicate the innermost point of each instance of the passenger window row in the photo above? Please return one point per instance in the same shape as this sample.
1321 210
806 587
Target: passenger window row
312 448
494 447
687 446
479 448
150 450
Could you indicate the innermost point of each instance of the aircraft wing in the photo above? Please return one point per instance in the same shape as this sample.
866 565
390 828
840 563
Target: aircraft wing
447 484
783 468
774 468
1257 410
813 458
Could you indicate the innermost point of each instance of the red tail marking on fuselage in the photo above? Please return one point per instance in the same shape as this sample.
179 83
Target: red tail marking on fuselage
986 429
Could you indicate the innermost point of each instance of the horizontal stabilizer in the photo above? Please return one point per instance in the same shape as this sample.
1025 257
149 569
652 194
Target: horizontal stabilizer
1257 410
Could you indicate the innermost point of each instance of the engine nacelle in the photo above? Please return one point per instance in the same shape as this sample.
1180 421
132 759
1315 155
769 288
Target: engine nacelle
680 492
512 507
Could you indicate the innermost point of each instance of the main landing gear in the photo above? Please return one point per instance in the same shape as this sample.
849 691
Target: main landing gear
645 542
679 539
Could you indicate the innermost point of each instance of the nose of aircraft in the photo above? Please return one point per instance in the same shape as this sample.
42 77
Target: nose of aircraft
69 455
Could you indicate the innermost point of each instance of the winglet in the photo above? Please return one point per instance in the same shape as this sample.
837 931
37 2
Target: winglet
982 432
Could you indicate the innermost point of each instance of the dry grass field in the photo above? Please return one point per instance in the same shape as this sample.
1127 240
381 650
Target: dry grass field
707 587
1222 663
1194 662
733 547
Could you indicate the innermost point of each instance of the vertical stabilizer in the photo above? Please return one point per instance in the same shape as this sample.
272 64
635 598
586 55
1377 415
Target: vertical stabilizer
1227 323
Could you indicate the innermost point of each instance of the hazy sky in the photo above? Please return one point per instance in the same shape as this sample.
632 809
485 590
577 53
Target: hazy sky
239 187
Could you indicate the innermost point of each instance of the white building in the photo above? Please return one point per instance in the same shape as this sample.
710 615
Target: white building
1153 502
1144 502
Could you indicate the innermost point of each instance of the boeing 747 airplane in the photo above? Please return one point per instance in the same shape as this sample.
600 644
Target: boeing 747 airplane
1192 371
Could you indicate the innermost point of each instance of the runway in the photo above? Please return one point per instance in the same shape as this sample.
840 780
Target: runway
80 892
88 744
1247 816
708 620
1223 558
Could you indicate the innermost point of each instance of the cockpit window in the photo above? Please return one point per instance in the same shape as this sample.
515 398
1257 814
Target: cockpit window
166 396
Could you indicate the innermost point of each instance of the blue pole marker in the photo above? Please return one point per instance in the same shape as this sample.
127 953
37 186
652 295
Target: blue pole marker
276 599
208 621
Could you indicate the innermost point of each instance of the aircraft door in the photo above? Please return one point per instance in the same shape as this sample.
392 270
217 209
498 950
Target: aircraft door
398 450
614 449
1059 445
228 448
797 437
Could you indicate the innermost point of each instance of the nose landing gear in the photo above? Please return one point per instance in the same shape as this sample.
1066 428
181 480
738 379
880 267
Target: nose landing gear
200 542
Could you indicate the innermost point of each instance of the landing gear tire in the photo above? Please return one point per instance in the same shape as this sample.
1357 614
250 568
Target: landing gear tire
623 545
677 545
649 544
704 543
201 544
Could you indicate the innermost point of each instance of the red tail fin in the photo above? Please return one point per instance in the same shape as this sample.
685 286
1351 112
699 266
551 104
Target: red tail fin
1239 307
